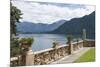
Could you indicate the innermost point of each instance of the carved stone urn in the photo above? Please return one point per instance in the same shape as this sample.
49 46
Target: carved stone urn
26 51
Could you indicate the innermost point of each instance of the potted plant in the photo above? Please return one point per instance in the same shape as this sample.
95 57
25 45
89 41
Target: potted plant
26 42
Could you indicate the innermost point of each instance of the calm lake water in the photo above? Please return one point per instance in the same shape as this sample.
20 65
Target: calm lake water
44 41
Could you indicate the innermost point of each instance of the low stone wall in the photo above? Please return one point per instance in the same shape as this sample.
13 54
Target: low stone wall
77 45
89 43
15 61
49 55
52 54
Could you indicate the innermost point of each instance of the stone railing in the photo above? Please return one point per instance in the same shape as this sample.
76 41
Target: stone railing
77 45
52 54
49 55
15 61
89 43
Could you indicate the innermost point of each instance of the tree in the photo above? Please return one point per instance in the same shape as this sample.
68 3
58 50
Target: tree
15 15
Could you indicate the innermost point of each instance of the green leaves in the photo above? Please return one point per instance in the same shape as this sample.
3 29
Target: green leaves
15 15
15 47
69 38
26 41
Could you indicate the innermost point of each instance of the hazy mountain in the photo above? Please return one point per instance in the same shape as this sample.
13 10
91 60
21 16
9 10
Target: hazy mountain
29 27
74 26
77 24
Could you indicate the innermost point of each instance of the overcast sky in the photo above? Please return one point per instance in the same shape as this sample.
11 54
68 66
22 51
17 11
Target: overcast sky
38 12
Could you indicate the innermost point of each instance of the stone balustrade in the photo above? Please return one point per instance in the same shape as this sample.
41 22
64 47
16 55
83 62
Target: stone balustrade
52 54
89 43
49 55
15 61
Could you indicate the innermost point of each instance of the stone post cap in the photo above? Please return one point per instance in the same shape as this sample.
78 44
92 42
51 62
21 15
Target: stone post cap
30 52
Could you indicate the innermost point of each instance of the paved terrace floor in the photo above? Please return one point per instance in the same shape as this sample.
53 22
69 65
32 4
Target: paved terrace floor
71 58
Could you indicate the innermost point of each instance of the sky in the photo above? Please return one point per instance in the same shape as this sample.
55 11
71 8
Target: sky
48 13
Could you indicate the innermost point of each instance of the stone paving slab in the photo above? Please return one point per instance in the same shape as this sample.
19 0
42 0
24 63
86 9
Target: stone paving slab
71 58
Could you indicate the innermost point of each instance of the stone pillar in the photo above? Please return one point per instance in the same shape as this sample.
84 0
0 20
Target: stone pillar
84 34
70 48
84 37
84 43
19 60
70 44
29 58
77 44
23 57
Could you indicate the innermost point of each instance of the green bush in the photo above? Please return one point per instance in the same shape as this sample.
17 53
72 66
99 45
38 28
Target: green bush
26 41
69 38
15 47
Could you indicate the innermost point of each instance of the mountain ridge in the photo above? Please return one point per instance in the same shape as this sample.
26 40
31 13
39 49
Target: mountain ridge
87 22
29 27
75 25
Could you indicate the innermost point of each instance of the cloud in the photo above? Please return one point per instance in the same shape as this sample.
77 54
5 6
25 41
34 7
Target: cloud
48 13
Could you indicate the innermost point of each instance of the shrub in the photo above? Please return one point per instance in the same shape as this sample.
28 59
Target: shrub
26 42
14 47
69 38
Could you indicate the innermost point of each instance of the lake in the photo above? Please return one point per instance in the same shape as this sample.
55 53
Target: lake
44 41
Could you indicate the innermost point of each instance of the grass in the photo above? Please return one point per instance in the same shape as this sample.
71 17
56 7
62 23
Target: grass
89 56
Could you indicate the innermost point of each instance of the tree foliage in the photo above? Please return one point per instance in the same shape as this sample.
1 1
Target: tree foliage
15 48
26 42
15 15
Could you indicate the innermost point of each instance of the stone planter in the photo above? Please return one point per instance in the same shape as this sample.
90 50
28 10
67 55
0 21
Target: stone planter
25 44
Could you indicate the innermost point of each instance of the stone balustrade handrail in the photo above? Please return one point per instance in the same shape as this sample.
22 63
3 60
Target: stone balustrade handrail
49 49
46 50
89 39
38 52
51 54
76 42
13 58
